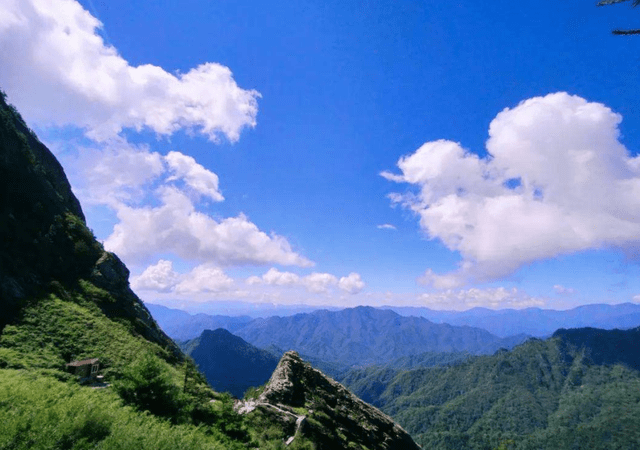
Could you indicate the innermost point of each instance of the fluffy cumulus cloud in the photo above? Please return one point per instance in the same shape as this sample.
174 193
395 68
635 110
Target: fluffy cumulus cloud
128 179
58 70
352 283
197 178
176 226
161 277
114 174
318 283
495 298
557 180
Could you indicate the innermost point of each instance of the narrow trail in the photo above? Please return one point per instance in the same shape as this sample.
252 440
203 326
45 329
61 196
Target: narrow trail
245 407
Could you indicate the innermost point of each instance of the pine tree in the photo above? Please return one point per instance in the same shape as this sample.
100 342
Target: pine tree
611 2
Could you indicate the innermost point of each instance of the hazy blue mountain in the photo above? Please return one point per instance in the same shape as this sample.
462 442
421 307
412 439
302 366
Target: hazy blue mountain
229 363
366 335
533 321
182 326
578 389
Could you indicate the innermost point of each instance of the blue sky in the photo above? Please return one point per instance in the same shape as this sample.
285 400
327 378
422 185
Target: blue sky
326 153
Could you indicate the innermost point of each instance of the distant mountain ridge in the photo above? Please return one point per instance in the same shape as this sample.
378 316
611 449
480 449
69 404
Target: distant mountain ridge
183 326
366 335
533 321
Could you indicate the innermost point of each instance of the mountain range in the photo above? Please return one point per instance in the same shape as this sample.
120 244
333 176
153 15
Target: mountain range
534 321
352 336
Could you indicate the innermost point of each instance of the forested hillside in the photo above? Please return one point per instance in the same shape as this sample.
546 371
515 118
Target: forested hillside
579 389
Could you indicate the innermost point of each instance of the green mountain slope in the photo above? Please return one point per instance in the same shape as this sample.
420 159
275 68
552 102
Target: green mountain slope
576 390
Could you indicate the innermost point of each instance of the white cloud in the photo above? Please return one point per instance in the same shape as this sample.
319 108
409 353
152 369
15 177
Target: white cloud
158 277
319 282
177 227
563 290
161 277
114 173
58 71
636 298
351 283
315 282
204 278
446 281
557 181
386 226
274 276
495 298
127 178
201 180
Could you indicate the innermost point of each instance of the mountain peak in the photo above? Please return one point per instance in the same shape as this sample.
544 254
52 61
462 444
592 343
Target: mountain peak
327 412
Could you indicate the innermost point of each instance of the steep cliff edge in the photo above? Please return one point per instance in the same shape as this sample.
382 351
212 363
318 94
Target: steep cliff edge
45 245
311 406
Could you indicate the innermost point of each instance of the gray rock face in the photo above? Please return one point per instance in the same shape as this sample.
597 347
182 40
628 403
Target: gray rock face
326 412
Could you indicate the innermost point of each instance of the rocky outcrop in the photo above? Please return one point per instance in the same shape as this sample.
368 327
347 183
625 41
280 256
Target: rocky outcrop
317 408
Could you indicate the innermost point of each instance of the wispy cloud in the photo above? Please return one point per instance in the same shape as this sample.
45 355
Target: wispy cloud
386 226
494 298
563 290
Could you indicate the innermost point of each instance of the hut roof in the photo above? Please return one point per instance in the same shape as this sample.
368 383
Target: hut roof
84 362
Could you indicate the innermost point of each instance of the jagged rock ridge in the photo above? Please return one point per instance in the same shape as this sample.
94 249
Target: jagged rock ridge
313 406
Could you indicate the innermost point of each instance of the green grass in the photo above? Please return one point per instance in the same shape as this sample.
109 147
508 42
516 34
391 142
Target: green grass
40 412
52 332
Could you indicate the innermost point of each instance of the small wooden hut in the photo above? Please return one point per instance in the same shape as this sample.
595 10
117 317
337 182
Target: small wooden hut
86 369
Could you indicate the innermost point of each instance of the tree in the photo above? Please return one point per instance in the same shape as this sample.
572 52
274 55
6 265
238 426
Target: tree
611 2
147 384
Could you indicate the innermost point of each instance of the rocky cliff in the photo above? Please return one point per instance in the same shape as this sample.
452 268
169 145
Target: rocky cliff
45 245
311 406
